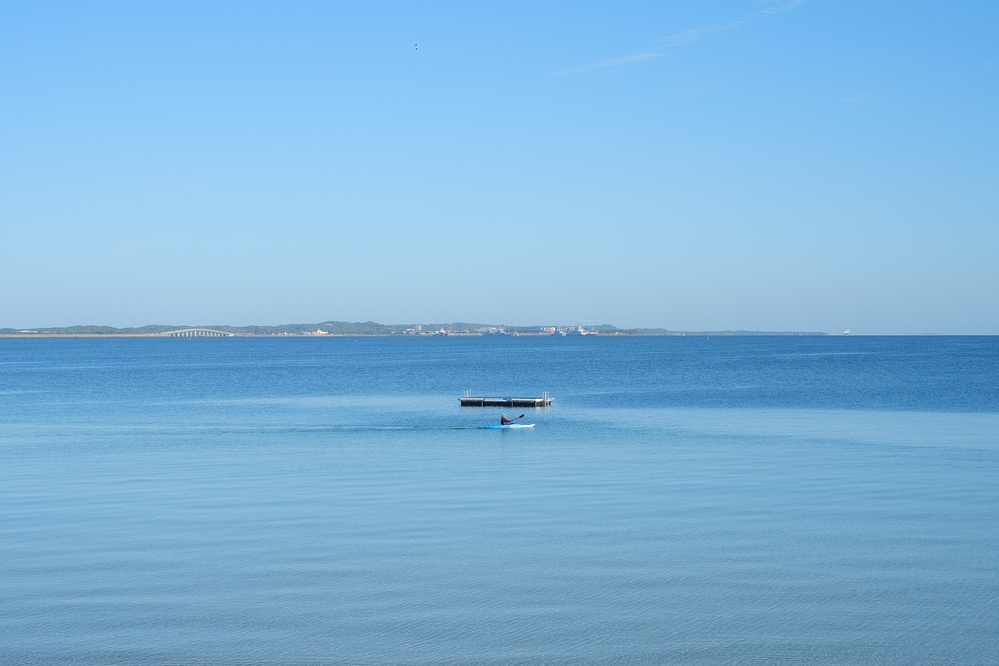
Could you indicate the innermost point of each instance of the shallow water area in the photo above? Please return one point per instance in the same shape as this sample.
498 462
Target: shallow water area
306 501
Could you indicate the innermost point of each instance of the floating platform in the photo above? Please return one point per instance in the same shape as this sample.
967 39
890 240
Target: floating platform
468 400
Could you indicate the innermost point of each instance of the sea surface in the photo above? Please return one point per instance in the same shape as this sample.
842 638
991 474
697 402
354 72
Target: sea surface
685 500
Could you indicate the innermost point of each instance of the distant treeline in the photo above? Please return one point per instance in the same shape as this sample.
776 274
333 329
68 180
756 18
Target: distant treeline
369 328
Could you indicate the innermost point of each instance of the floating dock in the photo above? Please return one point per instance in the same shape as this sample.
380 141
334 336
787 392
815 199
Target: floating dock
468 400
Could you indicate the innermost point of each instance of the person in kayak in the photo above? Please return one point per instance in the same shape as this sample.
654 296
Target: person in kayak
505 421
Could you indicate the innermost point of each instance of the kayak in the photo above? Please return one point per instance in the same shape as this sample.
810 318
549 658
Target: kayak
512 425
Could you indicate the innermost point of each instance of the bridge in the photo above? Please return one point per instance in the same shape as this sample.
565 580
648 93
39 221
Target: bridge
198 333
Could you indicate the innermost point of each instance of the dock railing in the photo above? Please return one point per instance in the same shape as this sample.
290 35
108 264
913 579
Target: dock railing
467 400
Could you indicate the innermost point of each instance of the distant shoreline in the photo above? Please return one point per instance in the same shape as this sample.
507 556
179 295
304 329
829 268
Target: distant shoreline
457 334
160 336
369 329
462 334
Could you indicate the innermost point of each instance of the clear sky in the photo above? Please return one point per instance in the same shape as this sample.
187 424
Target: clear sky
692 165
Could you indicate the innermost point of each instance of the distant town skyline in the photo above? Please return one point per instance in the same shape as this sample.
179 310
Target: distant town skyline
769 165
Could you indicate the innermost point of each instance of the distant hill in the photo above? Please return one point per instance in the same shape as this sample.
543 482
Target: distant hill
366 328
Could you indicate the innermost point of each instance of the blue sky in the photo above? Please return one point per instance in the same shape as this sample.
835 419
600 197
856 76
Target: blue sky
692 165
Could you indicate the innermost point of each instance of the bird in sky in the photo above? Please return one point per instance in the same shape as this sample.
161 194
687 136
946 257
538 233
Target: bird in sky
416 46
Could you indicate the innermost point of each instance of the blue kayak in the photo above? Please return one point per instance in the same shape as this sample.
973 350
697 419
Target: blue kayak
512 425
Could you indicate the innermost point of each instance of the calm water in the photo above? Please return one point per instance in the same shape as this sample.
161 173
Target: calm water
314 501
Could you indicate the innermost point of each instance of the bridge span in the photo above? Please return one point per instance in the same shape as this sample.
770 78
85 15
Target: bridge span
198 333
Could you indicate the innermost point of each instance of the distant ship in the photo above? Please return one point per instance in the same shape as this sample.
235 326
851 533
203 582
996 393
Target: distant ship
846 331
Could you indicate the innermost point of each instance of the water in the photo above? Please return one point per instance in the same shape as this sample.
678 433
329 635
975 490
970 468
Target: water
314 501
